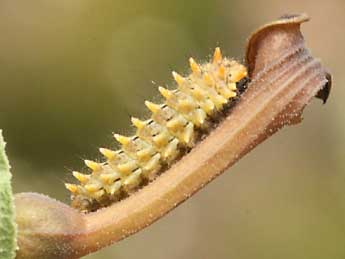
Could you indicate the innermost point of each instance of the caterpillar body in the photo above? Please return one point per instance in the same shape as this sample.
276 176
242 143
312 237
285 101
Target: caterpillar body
187 113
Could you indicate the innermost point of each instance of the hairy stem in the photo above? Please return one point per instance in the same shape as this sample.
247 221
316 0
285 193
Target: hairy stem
284 77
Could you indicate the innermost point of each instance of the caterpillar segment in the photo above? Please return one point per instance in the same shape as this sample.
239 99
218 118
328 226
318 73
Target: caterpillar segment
173 128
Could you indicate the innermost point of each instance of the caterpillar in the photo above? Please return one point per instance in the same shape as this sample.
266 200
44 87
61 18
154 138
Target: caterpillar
187 113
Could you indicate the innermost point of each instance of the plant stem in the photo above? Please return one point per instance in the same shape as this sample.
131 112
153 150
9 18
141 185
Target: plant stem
284 79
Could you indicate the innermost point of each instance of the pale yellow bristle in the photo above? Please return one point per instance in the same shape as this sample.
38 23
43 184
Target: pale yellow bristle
188 133
231 94
200 116
165 92
178 78
153 163
232 86
81 177
144 154
133 180
109 154
198 94
99 194
208 79
93 187
123 140
139 124
115 187
94 166
126 168
174 124
161 139
73 188
227 93
185 105
217 56
171 149
194 66
152 106
221 72
208 106
109 178
236 76
239 73
219 101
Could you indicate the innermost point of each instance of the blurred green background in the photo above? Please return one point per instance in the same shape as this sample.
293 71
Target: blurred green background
72 72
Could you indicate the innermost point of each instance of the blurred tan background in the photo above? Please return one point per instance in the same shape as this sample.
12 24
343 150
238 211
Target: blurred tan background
72 72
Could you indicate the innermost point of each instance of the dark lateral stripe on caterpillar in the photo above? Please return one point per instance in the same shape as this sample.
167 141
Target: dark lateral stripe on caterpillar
173 128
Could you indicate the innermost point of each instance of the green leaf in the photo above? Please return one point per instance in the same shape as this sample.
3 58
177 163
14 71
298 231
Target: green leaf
8 229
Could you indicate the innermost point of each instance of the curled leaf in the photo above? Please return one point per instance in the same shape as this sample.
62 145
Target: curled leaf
279 47
7 219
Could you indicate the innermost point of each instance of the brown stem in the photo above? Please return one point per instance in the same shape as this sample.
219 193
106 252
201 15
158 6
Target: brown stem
284 79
